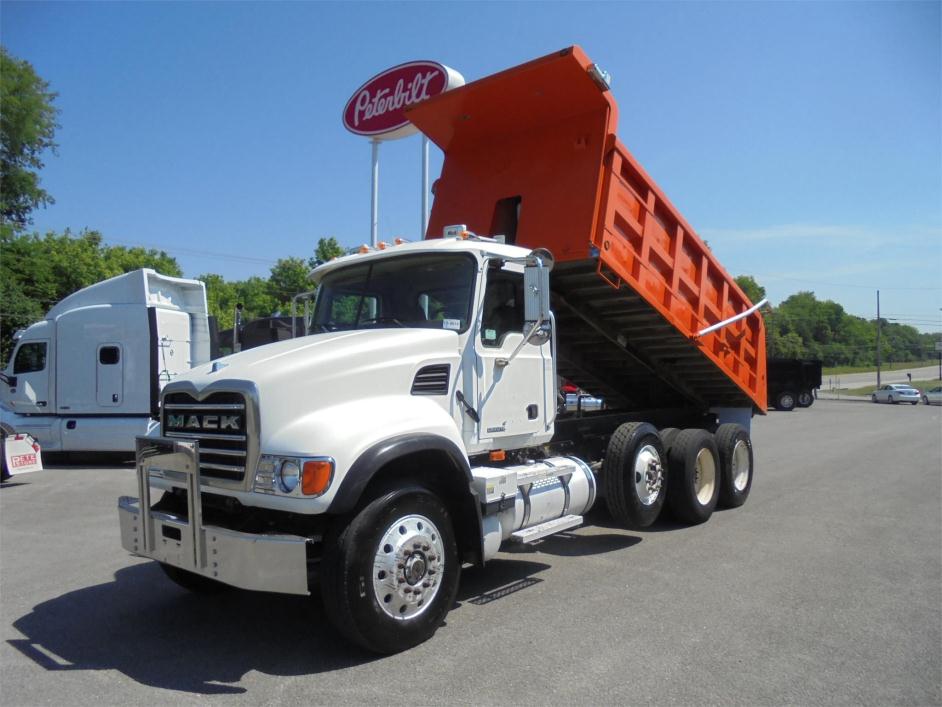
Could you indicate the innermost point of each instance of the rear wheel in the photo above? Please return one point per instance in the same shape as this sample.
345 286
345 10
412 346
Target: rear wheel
892 400
805 399
694 479
736 464
785 401
667 435
391 574
635 475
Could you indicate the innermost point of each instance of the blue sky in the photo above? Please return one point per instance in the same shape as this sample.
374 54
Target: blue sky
802 140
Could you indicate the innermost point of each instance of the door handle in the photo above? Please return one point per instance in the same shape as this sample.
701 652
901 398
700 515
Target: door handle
40 403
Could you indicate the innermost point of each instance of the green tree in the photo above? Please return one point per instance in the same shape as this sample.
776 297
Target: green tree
289 276
27 128
754 291
327 249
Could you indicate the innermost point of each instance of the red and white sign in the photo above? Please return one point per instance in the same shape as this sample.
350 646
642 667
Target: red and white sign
378 108
22 454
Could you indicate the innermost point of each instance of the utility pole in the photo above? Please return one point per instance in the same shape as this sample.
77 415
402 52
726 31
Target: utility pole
878 338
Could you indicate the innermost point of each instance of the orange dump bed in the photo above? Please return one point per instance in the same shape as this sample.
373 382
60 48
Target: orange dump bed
531 153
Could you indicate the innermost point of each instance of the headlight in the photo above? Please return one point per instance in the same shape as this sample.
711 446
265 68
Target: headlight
293 476
288 476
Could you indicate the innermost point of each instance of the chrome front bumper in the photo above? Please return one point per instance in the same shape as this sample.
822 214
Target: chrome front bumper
268 563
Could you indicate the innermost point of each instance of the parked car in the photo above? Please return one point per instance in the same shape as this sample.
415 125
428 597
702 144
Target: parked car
933 396
896 393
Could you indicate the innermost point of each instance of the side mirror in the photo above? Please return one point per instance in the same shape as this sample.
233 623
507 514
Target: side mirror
536 297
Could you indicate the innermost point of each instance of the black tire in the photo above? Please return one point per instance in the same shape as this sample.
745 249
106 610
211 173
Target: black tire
925 399
349 588
873 398
635 456
688 503
667 435
735 449
4 472
893 400
192 582
915 402
785 401
805 399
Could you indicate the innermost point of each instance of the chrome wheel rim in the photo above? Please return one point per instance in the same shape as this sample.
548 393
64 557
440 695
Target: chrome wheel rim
704 476
407 567
649 474
740 465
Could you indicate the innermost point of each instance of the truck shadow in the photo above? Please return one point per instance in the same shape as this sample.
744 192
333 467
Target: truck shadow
159 635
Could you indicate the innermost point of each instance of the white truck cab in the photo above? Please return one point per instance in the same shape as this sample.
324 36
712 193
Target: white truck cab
88 376
425 361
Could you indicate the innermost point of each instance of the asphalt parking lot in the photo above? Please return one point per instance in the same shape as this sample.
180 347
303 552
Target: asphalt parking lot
825 588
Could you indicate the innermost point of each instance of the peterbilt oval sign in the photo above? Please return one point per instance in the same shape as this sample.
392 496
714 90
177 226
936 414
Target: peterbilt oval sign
378 108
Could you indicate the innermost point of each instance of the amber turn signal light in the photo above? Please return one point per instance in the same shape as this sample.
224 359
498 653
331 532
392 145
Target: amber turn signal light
498 455
316 476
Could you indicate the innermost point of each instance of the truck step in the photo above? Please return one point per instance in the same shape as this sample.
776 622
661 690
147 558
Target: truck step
550 527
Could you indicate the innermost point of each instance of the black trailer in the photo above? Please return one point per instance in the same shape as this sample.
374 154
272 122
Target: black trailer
793 381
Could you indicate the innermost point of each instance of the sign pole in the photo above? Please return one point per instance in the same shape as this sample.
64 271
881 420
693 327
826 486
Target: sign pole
424 185
374 196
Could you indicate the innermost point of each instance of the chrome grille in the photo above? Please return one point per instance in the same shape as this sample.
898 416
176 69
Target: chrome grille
218 422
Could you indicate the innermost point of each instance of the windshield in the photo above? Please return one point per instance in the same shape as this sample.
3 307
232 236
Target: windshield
424 291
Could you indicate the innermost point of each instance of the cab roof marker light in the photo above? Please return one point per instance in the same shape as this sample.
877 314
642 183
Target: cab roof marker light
364 249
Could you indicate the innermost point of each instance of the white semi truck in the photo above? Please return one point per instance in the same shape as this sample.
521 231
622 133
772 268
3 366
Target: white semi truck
419 427
88 376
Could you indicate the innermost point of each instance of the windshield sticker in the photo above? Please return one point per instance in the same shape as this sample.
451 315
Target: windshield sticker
490 334
453 324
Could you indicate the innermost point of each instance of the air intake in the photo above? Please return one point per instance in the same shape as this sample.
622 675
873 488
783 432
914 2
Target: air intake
432 380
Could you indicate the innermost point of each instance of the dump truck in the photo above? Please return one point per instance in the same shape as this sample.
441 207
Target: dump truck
419 427
793 382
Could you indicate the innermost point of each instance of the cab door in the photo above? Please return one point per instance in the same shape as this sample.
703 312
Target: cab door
29 387
512 394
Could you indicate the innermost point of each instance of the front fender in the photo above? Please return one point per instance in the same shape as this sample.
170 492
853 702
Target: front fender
349 430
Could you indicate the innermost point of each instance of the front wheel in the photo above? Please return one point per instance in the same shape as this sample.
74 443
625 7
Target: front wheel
892 400
391 574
